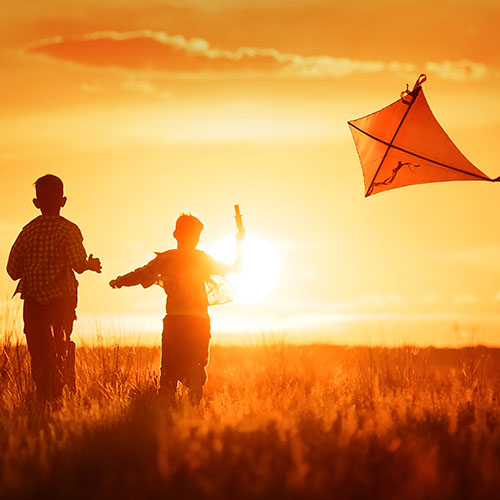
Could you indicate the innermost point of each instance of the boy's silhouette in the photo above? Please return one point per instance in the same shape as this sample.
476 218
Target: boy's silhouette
43 259
183 273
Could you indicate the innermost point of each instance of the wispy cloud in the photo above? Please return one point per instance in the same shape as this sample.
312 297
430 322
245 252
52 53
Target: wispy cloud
93 87
374 302
466 298
161 52
458 70
484 256
431 298
130 82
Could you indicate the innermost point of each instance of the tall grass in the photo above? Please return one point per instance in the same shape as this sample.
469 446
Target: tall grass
276 421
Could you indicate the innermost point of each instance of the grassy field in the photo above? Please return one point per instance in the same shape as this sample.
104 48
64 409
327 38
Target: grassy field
277 421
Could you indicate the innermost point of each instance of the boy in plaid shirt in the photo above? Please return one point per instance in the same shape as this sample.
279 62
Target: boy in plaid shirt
43 258
191 280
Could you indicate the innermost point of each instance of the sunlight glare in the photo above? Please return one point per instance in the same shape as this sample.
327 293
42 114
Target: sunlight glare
261 267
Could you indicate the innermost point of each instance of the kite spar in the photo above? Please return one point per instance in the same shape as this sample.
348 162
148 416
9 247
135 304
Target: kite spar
238 218
403 144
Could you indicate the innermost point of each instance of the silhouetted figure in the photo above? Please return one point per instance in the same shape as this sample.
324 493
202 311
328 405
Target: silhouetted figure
186 274
43 258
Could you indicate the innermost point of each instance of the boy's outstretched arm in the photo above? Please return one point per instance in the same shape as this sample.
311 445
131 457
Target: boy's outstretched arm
145 276
118 282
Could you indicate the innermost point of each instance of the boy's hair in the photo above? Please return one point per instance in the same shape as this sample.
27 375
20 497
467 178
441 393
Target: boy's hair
188 223
49 188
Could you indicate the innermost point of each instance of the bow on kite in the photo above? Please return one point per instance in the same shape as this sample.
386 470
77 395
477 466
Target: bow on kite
404 144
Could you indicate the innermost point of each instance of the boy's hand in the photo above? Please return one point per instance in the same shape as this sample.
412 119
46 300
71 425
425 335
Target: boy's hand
240 236
94 264
115 283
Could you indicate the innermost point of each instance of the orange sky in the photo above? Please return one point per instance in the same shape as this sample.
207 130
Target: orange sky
147 108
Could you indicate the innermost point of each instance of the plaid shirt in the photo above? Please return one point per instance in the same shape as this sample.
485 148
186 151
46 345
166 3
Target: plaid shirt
188 278
43 258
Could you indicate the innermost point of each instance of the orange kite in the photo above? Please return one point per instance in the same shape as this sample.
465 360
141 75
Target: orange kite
403 144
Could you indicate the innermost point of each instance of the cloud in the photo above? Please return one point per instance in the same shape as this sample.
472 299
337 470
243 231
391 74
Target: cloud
93 87
431 298
484 256
458 70
130 82
160 52
371 302
466 298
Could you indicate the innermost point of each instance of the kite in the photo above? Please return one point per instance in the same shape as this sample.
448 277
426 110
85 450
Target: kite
403 144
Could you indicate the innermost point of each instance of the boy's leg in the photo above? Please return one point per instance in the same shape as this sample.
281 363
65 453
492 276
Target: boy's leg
195 382
168 389
42 349
64 315
185 342
168 369
198 337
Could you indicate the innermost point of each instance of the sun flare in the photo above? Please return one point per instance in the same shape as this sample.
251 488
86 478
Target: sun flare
261 267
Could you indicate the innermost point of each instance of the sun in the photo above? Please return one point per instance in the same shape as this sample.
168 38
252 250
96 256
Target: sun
261 267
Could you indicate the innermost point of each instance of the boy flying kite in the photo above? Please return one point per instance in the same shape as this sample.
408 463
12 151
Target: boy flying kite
186 274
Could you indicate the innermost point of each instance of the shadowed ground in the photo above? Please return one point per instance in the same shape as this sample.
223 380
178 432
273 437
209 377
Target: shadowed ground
278 421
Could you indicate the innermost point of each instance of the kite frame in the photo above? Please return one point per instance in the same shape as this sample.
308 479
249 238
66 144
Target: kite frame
413 94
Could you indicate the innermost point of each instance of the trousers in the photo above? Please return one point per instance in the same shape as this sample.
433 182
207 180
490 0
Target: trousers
48 329
185 350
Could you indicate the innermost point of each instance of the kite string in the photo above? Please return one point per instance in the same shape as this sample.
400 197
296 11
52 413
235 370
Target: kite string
299 195
302 193
284 204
